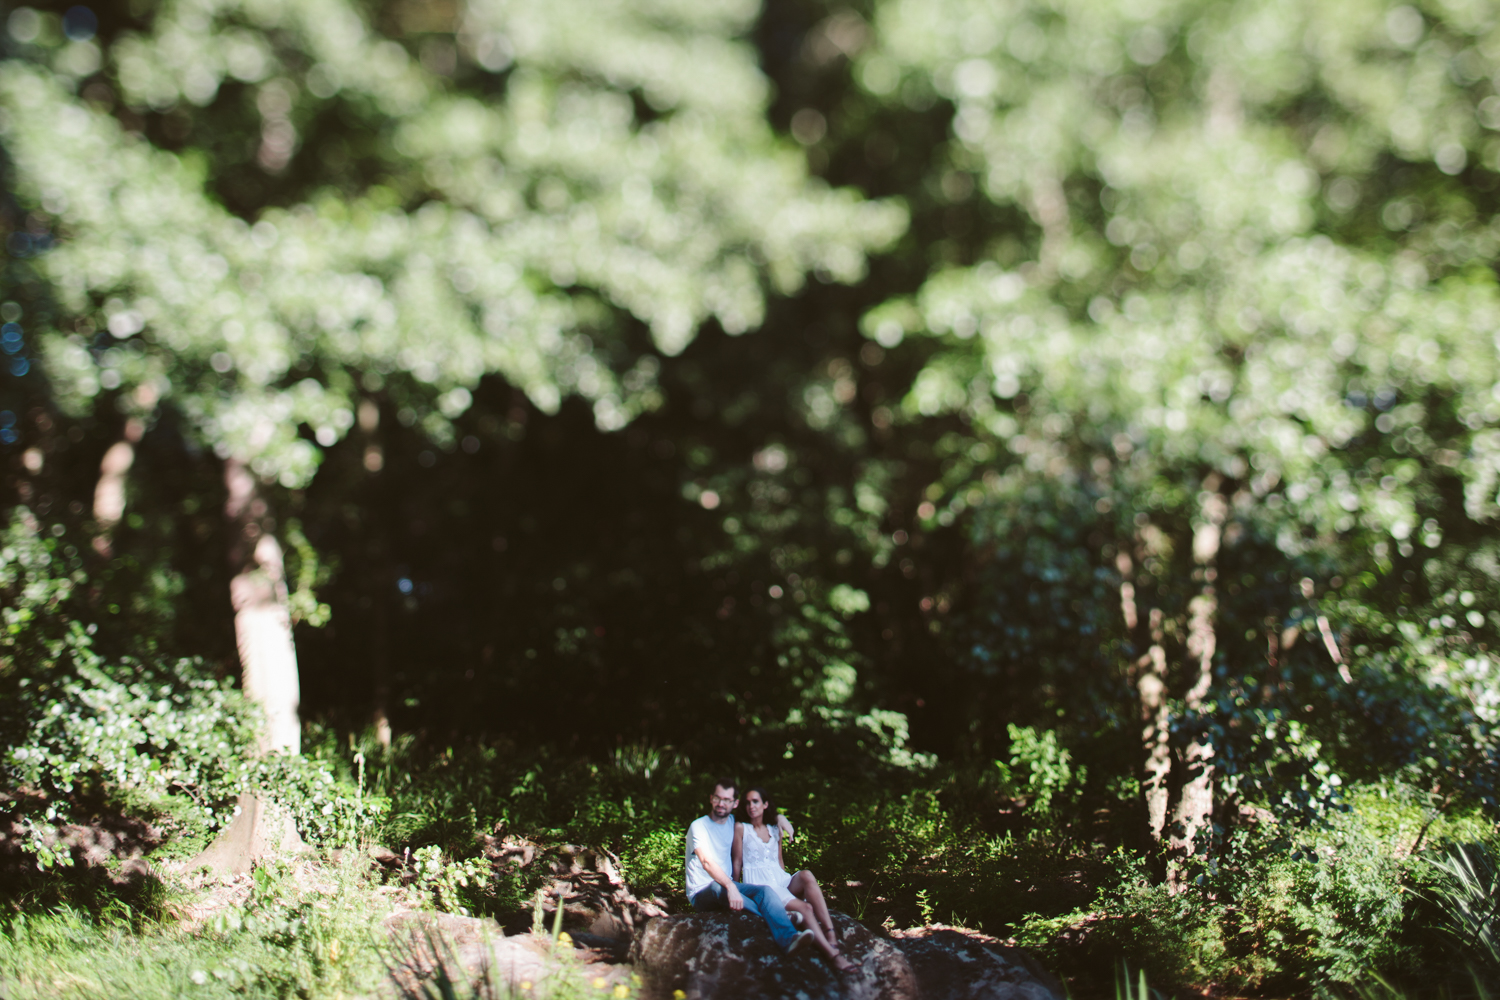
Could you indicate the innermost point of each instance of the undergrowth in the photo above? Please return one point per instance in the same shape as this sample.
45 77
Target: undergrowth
1339 906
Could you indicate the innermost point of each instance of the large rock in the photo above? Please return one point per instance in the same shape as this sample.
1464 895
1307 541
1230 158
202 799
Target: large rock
952 964
731 955
597 904
471 951
709 955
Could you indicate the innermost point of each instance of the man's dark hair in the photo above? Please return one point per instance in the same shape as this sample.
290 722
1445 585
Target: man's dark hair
728 784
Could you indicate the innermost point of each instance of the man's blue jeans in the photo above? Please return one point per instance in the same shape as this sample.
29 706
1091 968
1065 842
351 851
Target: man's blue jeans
758 899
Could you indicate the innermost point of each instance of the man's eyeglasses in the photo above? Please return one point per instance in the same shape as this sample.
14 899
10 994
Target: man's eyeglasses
721 799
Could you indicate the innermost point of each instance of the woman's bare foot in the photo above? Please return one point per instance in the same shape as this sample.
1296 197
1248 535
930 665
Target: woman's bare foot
841 963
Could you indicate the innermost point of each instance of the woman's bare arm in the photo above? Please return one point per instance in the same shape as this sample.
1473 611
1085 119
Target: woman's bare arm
737 852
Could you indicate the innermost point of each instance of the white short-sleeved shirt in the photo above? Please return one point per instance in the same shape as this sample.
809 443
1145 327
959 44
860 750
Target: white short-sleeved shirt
718 838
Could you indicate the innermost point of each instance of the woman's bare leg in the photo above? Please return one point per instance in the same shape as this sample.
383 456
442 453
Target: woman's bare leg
829 949
805 886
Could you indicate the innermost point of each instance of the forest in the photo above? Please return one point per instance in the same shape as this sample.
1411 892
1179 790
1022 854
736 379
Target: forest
1052 445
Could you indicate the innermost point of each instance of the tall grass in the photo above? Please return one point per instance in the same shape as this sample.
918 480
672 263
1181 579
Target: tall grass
292 938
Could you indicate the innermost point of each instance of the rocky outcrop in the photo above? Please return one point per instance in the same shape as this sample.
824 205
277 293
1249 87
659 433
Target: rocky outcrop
722 955
711 955
472 954
953 964
596 901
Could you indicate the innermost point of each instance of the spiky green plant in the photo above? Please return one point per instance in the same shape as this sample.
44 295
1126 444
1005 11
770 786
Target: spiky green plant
1468 894
1137 990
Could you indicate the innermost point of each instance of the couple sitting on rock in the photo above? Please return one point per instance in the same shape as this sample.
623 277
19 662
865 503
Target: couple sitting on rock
748 845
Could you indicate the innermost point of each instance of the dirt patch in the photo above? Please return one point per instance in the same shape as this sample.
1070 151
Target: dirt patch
107 835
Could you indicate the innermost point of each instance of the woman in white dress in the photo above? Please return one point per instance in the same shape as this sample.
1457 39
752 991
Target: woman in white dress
758 860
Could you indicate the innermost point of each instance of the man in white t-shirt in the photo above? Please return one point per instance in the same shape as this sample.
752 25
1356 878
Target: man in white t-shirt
709 886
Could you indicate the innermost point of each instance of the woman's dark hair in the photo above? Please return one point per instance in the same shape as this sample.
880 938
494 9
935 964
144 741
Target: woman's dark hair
743 812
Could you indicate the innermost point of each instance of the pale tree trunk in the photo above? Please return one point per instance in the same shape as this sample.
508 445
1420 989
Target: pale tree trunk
262 619
109 491
1196 801
1156 732
114 468
1048 206
28 482
268 668
1151 687
380 664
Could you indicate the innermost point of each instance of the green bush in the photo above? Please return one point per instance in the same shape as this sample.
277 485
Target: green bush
1280 908
1173 937
1040 769
1326 910
656 859
159 736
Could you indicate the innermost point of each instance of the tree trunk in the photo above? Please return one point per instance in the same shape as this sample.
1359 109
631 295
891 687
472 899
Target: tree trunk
1157 731
262 620
1048 206
268 666
109 491
1196 800
380 663
1151 686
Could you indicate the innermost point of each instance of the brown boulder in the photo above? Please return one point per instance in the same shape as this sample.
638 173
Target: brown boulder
712 955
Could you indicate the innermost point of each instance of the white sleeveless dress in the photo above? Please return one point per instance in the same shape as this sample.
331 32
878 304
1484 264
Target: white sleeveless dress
762 862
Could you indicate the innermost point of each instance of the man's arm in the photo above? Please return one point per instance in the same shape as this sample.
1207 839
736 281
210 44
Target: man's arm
731 894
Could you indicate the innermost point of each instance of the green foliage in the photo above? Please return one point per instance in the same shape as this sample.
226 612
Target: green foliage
1126 989
1078 271
1039 768
655 859
551 215
1329 910
1171 937
1468 895
159 737
1279 906
108 894
425 965
73 722
448 884
291 939
302 602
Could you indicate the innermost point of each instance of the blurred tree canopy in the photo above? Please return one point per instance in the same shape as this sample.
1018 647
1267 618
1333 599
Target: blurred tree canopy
786 382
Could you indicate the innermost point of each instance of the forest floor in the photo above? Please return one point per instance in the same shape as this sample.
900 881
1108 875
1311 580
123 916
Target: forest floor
335 925
301 925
